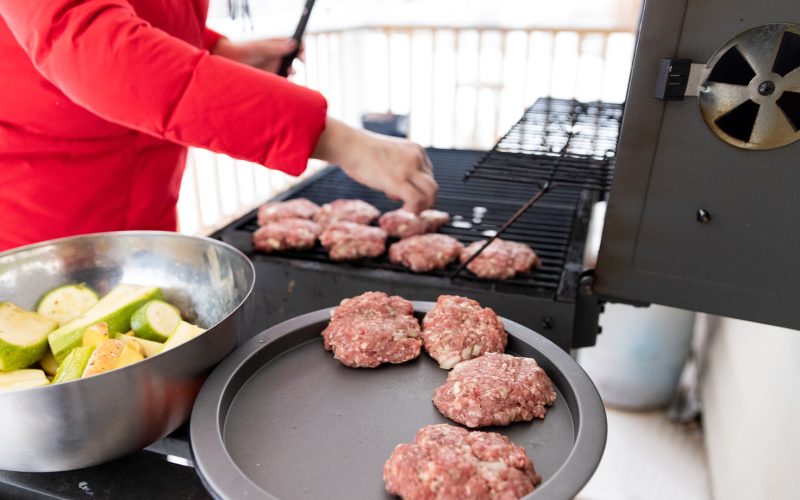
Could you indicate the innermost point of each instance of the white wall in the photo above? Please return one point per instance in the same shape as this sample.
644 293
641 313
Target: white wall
751 399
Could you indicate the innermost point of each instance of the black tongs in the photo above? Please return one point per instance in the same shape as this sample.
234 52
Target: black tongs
287 60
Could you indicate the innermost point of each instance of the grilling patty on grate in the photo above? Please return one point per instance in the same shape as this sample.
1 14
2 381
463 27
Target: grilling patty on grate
357 211
371 329
425 252
286 234
495 389
458 328
434 219
351 241
450 463
299 208
500 260
402 223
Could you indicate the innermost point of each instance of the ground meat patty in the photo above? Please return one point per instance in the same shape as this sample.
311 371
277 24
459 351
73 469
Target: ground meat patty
351 241
356 211
402 223
457 329
425 252
371 329
501 260
286 234
450 463
434 219
495 389
299 208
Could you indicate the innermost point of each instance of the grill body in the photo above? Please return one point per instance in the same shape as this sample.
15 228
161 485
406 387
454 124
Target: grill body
547 300
694 221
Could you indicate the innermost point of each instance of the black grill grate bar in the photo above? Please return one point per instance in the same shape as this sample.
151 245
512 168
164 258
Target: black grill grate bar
547 227
565 142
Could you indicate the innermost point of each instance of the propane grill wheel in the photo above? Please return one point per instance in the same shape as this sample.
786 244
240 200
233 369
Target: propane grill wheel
750 97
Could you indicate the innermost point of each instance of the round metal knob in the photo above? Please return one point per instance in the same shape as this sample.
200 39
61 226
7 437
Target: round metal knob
766 88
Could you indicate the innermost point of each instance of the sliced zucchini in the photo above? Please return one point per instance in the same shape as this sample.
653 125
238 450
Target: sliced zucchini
67 302
22 379
23 336
156 321
49 363
74 364
184 333
115 309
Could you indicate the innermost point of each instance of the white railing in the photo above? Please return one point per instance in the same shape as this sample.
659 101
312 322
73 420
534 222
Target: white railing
460 87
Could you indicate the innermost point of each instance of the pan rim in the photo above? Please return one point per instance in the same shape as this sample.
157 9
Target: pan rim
223 478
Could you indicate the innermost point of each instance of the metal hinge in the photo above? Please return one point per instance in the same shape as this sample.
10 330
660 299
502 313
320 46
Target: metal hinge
679 78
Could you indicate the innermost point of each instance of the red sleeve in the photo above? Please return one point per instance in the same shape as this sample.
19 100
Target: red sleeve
210 38
115 64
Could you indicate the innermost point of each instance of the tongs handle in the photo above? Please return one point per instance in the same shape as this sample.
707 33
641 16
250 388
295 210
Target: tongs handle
287 60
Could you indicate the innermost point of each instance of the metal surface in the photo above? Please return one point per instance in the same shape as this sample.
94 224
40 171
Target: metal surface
280 418
740 258
294 283
746 98
568 143
89 421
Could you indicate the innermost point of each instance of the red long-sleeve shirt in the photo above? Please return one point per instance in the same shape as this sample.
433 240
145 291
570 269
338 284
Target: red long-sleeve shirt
99 99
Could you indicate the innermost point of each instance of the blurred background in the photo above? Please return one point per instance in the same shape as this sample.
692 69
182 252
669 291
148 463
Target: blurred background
446 73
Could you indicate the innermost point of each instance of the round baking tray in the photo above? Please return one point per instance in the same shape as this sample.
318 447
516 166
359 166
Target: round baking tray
281 419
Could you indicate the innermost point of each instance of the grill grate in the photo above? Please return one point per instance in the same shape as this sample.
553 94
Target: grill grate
547 227
565 143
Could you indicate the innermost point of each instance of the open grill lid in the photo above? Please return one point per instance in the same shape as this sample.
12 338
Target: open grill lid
695 221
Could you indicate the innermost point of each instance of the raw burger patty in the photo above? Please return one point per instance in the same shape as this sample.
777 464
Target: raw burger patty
501 260
286 234
351 241
425 252
371 329
495 389
403 224
434 219
457 329
299 208
356 211
450 463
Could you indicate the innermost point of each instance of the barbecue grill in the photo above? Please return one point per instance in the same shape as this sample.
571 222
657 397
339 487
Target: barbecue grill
703 180
544 146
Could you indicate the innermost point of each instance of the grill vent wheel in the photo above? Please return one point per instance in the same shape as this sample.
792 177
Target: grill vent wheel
751 96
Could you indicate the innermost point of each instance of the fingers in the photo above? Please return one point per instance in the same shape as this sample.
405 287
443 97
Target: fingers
426 162
427 186
413 198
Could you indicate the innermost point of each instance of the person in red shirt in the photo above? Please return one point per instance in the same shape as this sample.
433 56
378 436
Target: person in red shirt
99 100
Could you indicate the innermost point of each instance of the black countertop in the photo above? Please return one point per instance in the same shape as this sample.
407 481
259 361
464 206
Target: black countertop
141 475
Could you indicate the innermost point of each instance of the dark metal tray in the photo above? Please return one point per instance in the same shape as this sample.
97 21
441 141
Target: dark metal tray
280 418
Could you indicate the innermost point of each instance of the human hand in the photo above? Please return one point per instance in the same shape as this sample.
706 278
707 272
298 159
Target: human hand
265 55
399 168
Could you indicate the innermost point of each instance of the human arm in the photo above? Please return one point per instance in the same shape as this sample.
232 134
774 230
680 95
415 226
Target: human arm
398 167
265 55
105 58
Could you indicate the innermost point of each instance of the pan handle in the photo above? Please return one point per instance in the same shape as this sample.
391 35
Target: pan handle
287 60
